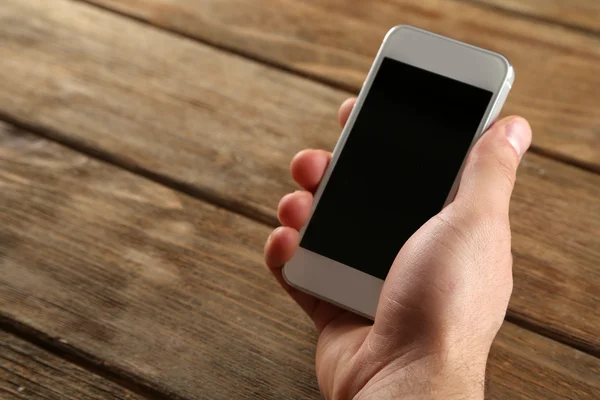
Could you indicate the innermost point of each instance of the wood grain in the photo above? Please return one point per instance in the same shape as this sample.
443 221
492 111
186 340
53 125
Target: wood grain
557 69
550 367
583 14
30 373
225 128
150 281
172 291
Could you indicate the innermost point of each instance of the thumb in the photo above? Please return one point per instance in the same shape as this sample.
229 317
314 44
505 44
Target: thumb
490 172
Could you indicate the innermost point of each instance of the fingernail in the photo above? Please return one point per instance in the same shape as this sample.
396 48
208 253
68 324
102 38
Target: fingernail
517 133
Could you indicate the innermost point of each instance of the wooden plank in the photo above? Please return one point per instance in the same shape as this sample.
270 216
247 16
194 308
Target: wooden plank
226 129
558 70
550 367
584 14
172 291
145 279
555 221
29 372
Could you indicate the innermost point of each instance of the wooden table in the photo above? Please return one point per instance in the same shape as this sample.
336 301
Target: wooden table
144 145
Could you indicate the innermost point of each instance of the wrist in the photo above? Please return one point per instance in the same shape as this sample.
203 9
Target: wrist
430 377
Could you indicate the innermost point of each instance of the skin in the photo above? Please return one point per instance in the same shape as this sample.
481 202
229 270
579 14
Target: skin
445 296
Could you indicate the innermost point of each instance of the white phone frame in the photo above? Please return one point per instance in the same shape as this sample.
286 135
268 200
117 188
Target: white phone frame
345 286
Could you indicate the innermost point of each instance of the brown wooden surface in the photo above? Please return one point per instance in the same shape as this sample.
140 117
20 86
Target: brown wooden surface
168 292
172 290
28 372
557 69
583 14
150 281
227 128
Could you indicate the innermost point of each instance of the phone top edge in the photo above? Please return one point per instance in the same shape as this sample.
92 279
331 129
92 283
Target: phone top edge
401 27
509 70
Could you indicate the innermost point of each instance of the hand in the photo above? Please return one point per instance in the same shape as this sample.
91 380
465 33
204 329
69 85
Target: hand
445 296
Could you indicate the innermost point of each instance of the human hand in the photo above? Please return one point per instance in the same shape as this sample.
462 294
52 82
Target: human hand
445 296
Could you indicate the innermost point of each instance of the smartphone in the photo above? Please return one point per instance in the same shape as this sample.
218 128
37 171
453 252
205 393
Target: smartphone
425 102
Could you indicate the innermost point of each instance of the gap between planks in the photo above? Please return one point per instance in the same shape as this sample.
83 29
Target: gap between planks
143 387
164 180
589 167
499 360
246 210
230 205
89 362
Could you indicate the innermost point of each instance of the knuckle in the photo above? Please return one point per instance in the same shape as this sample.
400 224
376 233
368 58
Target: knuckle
450 225
506 164
498 157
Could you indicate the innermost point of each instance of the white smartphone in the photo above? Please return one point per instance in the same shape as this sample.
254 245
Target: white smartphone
425 102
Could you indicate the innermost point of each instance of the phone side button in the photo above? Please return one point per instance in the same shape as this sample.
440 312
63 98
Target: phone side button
500 102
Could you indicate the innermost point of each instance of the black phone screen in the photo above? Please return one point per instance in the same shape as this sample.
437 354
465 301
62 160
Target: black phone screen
397 166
